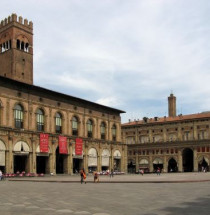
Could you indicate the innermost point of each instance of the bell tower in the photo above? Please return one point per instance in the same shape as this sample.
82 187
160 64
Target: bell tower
171 105
16 49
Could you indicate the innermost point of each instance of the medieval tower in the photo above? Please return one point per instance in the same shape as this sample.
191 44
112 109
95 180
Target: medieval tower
171 105
16 49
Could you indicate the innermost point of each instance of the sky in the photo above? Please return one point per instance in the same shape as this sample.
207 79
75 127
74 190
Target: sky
126 54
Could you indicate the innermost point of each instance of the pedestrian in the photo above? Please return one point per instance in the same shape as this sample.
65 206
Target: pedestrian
112 173
158 171
96 177
0 175
142 172
83 176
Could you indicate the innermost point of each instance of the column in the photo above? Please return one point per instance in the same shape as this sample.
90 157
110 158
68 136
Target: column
137 162
180 165
150 162
165 164
195 160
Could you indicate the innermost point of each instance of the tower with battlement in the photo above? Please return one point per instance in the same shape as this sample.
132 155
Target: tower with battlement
16 49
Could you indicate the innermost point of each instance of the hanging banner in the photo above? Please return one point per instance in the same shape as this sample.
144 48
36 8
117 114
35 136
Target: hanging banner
63 145
44 143
78 146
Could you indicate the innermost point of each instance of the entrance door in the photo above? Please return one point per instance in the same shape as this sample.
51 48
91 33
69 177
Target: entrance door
117 165
59 162
187 156
77 165
203 166
20 163
41 162
172 165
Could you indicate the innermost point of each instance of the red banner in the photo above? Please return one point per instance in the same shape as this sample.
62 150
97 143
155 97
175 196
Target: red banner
63 145
44 138
78 146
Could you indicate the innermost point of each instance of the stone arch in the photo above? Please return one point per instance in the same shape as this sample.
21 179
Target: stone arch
203 163
144 161
2 156
117 160
105 156
117 153
157 164
172 164
92 159
21 147
187 159
21 151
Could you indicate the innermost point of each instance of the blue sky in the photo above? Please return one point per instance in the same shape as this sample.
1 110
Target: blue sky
125 54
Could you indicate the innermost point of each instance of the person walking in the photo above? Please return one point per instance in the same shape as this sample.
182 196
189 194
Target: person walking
83 176
96 177
158 171
112 173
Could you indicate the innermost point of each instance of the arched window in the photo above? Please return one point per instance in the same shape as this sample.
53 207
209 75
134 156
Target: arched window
90 128
18 44
40 120
58 123
18 116
103 131
75 126
114 132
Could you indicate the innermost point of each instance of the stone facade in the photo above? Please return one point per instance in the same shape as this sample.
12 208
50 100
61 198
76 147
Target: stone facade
175 143
26 111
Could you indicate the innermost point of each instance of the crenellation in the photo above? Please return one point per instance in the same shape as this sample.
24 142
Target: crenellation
25 22
5 21
9 19
20 19
15 18
31 24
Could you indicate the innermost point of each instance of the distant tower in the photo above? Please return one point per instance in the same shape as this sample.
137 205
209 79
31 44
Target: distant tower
16 49
171 105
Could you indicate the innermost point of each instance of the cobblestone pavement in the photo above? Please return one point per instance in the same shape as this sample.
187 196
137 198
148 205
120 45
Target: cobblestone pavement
28 197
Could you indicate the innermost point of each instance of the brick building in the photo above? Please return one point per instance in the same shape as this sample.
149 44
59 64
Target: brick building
174 143
29 113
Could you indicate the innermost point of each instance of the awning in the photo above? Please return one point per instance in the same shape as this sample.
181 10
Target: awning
144 162
158 161
21 148
117 154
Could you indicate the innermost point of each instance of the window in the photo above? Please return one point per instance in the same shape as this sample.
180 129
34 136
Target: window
40 120
90 128
58 123
114 131
74 126
103 130
18 116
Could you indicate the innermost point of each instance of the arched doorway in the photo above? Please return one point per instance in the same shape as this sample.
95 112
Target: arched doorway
144 165
60 161
21 157
2 156
92 160
172 165
117 161
203 164
105 160
187 156
157 163
131 166
42 161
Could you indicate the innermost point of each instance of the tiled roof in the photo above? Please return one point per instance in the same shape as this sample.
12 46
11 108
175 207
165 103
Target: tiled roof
169 119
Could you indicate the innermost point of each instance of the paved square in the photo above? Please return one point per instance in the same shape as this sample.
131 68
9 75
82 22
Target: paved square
27 197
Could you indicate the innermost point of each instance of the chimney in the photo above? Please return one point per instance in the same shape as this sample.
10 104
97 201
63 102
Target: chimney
171 105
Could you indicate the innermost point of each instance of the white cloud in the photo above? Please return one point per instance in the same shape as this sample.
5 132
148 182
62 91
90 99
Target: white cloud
126 54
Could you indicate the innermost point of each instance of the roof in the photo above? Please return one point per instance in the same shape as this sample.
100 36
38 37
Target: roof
162 120
50 94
